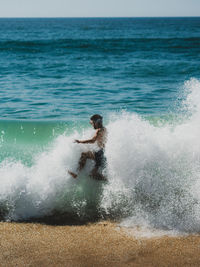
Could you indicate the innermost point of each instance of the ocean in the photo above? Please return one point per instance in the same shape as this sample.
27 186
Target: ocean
143 76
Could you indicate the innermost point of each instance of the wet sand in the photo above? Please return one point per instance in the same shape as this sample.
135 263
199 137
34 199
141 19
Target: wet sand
100 244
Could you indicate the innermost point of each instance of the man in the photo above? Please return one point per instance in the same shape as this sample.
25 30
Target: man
98 156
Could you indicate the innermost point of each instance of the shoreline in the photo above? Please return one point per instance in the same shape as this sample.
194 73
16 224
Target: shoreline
95 244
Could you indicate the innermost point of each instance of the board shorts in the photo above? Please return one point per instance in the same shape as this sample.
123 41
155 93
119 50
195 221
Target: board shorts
100 160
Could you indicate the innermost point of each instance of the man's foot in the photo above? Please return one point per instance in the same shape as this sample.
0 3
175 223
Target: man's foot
74 175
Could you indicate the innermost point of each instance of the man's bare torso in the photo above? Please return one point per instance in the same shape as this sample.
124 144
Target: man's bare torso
101 137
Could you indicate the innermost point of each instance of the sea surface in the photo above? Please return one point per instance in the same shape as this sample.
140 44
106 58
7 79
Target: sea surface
143 76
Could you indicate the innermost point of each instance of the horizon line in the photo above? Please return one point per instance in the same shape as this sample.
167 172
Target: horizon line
82 17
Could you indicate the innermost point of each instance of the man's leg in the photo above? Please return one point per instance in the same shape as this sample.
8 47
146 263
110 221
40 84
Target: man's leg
82 162
83 159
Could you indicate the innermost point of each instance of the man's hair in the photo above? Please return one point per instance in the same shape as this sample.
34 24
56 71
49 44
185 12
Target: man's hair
96 117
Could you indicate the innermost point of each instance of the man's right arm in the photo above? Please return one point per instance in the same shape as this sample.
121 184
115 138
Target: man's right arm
89 141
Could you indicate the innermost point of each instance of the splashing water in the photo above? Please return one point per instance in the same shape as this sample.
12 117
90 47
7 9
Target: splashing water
153 173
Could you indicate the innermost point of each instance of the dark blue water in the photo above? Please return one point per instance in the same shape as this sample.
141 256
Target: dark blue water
68 69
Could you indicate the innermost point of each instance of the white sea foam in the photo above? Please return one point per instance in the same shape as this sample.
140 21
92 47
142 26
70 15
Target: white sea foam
153 173
46 186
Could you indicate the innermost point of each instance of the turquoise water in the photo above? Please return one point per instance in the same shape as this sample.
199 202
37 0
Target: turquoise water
142 75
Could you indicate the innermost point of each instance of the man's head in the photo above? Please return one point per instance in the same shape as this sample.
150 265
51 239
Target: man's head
97 121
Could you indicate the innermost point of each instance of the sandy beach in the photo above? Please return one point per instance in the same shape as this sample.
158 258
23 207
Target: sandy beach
97 244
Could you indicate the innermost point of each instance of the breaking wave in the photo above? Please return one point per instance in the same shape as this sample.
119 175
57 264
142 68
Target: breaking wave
153 171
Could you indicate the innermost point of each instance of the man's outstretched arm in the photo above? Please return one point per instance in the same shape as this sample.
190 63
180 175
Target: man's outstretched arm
89 141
